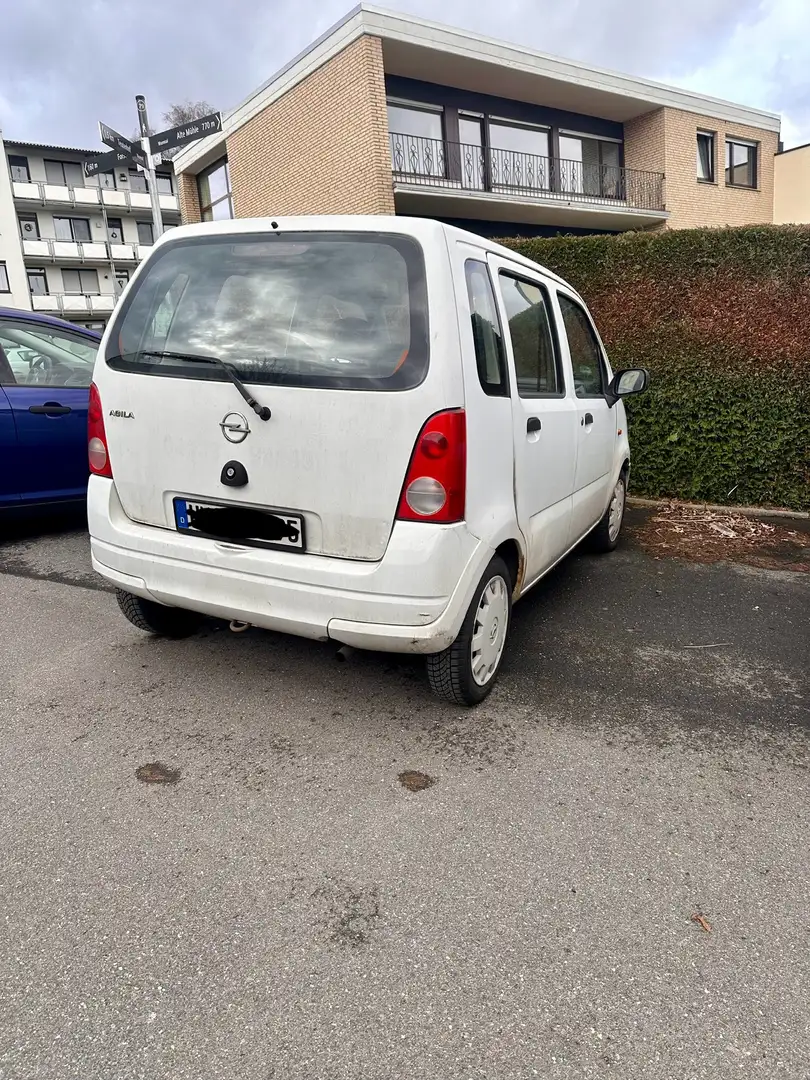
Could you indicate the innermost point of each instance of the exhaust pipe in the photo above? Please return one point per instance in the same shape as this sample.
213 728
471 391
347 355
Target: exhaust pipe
344 653
238 627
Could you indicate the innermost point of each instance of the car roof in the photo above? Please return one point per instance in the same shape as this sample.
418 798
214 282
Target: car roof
47 320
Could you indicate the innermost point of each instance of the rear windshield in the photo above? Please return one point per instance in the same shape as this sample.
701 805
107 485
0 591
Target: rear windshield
339 310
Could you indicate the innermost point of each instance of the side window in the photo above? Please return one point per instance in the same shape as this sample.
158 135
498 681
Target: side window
47 356
486 329
586 353
537 365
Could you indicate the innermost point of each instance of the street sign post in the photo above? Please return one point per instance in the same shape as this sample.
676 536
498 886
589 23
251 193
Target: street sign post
143 120
108 162
124 146
186 133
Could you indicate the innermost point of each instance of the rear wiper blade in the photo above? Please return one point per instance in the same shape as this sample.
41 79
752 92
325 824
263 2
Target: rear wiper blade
261 411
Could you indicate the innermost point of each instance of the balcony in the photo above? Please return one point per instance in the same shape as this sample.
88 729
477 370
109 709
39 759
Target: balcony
72 304
446 179
71 251
83 198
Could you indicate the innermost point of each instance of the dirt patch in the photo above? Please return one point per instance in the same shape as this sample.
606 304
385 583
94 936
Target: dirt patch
691 532
415 781
157 773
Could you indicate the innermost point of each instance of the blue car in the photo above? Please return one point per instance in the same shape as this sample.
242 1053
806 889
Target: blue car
46 367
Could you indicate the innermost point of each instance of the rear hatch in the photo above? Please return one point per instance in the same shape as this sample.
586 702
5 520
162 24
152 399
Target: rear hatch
327 330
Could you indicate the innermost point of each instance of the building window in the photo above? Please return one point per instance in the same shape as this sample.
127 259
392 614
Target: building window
80 282
19 168
37 281
590 166
417 139
145 234
164 184
29 227
115 230
69 228
705 156
64 173
519 156
4 285
106 180
741 163
137 182
214 188
122 277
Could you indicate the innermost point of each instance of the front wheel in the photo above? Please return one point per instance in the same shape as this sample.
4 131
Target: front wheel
465 673
158 619
605 537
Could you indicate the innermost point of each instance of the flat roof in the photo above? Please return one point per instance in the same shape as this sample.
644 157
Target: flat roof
420 48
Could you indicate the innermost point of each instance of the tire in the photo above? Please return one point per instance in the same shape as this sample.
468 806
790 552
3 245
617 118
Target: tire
605 537
169 622
453 674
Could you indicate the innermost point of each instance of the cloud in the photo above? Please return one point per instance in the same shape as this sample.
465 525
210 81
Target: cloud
60 75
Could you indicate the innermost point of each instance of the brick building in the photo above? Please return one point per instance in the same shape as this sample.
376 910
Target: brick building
387 113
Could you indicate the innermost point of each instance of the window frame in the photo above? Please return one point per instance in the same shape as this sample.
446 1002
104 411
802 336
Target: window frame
4 276
22 218
503 388
753 148
712 137
14 163
80 270
64 183
73 239
39 273
165 176
604 369
562 390
119 227
220 163
151 228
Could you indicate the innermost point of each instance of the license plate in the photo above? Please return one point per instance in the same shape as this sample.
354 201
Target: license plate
240 524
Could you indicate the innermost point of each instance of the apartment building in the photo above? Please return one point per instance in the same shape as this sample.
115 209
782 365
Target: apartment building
69 243
791 203
390 114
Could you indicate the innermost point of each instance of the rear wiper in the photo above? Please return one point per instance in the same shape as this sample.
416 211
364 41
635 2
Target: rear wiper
261 411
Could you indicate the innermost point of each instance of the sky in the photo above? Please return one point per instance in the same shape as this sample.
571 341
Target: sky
68 63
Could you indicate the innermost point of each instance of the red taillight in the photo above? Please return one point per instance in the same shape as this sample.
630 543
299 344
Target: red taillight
435 486
97 452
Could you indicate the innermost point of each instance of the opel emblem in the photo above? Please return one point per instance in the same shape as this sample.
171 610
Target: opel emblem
235 427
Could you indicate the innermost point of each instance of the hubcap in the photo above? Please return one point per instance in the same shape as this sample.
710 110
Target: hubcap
616 511
489 630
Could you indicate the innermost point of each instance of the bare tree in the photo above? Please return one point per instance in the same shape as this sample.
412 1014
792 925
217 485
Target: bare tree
182 112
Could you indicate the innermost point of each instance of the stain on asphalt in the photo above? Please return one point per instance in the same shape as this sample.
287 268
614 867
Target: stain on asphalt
155 772
415 781
350 914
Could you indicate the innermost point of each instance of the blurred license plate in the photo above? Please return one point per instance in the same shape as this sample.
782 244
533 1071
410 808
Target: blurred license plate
240 524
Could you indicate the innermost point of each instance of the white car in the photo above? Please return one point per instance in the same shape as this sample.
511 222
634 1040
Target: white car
369 430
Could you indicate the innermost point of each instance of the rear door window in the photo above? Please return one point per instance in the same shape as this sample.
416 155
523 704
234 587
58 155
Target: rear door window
339 310
537 362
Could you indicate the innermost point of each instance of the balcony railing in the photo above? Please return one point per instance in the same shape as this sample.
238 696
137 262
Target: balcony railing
85 197
436 163
44 249
74 303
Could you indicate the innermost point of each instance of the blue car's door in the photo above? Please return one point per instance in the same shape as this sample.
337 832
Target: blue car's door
9 495
51 368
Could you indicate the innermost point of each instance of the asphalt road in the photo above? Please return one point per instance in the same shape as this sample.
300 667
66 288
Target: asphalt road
289 910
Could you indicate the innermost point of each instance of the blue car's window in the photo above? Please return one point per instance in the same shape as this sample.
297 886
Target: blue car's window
40 355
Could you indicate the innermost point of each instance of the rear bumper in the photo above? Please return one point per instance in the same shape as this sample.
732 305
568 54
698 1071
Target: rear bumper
413 600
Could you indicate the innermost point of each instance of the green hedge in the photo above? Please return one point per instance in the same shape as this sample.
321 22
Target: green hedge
721 317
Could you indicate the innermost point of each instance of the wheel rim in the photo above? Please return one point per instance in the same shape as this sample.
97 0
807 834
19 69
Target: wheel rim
616 511
489 630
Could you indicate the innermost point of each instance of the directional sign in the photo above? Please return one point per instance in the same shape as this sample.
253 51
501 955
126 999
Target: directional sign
125 146
108 162
185 133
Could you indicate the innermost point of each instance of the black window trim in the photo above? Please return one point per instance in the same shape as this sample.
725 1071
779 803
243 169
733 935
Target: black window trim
39 272
555 338
750 144
210 372
504 390
227 197
703 133
14 163
81 270
4 268
71 218
604 371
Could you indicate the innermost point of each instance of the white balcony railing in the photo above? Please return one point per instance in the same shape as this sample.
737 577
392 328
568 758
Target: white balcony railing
70 304
84 197
47 250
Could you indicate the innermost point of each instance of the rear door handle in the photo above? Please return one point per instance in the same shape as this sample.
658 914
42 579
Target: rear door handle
533 424
588 419
50 408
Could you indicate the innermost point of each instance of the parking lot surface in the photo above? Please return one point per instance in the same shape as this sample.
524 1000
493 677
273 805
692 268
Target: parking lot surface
606 873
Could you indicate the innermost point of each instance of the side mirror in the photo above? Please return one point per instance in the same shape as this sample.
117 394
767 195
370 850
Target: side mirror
629 381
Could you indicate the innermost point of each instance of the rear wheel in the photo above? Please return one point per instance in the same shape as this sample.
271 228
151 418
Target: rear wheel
465 673
156 618
605 537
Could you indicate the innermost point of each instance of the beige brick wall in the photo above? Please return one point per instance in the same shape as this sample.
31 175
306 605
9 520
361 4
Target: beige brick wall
189 198
666 141
791 195
322 148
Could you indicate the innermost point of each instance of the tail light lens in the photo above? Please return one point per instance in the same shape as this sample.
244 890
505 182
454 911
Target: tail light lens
97 452
435 486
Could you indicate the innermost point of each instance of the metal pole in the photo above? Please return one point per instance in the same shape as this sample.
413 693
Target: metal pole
116 289
143 120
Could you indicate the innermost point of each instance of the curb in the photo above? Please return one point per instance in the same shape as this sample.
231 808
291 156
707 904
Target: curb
745 511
